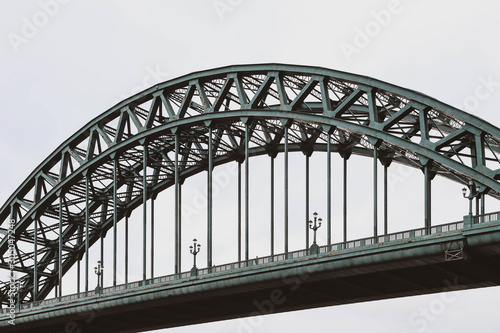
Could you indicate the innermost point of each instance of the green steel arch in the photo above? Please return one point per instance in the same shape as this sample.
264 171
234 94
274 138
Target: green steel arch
128 154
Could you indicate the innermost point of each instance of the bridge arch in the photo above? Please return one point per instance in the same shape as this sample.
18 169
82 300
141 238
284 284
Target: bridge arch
173 130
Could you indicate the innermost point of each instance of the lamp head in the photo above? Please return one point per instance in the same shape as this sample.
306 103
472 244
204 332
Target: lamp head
464 191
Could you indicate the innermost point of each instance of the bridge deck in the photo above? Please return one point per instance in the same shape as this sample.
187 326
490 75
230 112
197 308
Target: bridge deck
458 255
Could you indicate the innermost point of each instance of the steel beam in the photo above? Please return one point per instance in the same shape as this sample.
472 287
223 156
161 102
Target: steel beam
144 206
102 262
126 248
344 209
247 191
239 211
152 236
115 215
209 198
375 193
328 190
78 274
386 204
272 205
285 191
307 217
87 216
176 208
180 226
427 197
35 264
482 203
59 268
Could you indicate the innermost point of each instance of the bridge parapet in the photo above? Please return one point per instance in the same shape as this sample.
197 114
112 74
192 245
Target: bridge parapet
392 239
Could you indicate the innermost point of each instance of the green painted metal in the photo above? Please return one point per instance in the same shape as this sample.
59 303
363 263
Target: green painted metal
272 205
177 205
368 254
35 264
307 201
60 260
247 191
386 203
427 196
375 192
115 218
87 245
239 211
78 273
407 127
329 190
126 249
144 206
209 198
152 238
194 250
314 226
344 200
100 276
285 192
180 227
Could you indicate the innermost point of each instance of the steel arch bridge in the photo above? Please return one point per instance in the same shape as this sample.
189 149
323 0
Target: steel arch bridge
159 137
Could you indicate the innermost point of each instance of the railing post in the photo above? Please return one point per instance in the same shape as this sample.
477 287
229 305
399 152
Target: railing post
468 221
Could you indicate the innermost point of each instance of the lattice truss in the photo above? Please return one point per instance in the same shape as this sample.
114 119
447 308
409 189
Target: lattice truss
355 113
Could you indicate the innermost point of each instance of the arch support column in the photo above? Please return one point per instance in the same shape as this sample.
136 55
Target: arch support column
428 176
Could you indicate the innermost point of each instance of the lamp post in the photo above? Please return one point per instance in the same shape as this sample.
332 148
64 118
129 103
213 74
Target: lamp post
194 249
473 193
317 223
98 271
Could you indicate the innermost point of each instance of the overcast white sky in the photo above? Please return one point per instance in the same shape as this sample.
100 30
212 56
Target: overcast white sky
62 63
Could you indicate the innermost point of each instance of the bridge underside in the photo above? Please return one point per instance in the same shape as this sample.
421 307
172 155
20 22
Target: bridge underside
376 273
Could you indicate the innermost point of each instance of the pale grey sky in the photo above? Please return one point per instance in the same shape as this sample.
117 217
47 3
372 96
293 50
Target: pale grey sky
65 62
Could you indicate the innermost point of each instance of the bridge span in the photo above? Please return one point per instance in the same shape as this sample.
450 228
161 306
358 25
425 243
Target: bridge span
133 162
448 257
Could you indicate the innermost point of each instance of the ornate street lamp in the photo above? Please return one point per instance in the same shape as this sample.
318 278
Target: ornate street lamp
473 193
317 223
194 249
98 271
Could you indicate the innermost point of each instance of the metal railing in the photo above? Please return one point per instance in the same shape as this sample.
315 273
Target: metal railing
392 238
485 218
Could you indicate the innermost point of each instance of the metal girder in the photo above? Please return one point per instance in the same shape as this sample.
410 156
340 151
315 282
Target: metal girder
358 112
